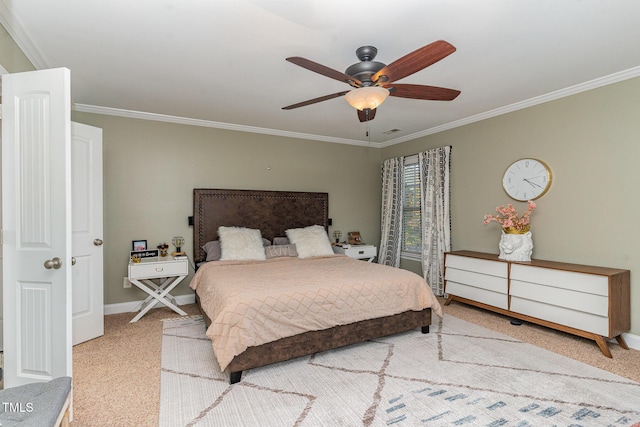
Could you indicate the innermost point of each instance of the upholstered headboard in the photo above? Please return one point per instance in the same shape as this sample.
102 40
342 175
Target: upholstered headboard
272 212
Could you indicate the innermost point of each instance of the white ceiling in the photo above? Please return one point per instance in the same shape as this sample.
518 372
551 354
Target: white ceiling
221 63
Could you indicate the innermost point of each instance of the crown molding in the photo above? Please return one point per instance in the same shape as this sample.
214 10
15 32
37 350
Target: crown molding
94 109
572 90
15 30
552 96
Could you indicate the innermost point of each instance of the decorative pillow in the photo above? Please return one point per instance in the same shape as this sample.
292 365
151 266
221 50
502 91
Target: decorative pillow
310 241
240 244
275 251
213 250
280 241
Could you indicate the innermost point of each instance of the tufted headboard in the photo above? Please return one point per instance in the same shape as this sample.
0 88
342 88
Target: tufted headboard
272 212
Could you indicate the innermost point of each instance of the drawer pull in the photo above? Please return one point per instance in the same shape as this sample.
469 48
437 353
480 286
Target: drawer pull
159 269
360 252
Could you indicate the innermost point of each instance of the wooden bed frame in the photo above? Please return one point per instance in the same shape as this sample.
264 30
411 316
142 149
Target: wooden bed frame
273 212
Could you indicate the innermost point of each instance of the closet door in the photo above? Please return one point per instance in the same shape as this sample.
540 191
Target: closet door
86 190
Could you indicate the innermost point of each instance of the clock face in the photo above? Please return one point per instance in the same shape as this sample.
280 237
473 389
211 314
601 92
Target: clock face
527 179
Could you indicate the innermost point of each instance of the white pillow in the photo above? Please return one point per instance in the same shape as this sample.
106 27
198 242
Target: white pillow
240 244
310 241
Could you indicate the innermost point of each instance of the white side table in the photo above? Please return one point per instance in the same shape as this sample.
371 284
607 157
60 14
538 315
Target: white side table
169 274
368 252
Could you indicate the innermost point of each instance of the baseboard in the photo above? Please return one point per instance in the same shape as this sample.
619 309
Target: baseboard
633 341
129 306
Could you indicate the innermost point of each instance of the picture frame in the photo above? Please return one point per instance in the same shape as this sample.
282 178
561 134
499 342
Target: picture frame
139 245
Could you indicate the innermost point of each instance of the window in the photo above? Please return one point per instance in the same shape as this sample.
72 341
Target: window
411 221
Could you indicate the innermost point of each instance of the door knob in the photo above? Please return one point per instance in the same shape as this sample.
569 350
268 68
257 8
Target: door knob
97 242
53 263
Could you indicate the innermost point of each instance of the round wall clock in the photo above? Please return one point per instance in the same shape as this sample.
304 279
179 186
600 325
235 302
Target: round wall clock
527 179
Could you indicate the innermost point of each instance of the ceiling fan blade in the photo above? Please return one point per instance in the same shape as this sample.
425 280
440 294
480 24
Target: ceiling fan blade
414 61
367 114
325 71
315 100
429 93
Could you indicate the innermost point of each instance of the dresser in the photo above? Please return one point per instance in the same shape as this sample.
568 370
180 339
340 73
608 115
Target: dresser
588 301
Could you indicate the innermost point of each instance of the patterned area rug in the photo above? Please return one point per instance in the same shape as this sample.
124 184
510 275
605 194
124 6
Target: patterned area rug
459 374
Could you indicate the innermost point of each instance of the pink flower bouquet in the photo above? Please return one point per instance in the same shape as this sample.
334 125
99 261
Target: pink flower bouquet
509 219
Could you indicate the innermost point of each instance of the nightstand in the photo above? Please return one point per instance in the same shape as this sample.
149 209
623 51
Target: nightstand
368 252
169 273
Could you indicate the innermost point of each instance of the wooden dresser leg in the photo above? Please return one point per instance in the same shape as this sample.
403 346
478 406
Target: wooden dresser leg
622 342
448 301
602 343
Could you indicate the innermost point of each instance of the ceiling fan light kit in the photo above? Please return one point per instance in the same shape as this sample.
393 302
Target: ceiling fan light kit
366 97
374 81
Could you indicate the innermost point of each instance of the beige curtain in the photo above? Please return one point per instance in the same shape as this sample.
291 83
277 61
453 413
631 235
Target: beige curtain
436 215
391 224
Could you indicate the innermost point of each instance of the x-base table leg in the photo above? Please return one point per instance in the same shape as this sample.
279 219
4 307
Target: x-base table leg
158 293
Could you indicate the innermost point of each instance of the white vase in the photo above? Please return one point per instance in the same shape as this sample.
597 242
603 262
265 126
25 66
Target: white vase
516 247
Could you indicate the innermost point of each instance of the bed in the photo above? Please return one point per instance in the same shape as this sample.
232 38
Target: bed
274 212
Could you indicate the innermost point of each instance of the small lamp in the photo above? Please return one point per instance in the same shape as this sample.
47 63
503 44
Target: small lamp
178 242
336 235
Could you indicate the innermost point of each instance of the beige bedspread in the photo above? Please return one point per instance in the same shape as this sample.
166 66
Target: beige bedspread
255 302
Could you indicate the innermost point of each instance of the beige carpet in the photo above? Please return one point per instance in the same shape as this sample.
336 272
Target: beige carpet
458 374
117 376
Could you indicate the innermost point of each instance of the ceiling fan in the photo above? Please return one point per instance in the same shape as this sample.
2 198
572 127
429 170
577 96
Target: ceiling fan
373 81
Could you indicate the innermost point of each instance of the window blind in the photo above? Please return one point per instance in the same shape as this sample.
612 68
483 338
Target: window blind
411 229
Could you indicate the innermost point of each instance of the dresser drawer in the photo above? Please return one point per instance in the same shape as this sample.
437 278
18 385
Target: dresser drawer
483 281
478 280
150 270
581 282
492 268
567 298
562 316
495 299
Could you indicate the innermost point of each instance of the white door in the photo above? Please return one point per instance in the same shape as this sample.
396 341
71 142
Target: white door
36 207
2 73
86 190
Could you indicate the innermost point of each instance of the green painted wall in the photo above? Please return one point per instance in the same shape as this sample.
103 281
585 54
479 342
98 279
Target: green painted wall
12 58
